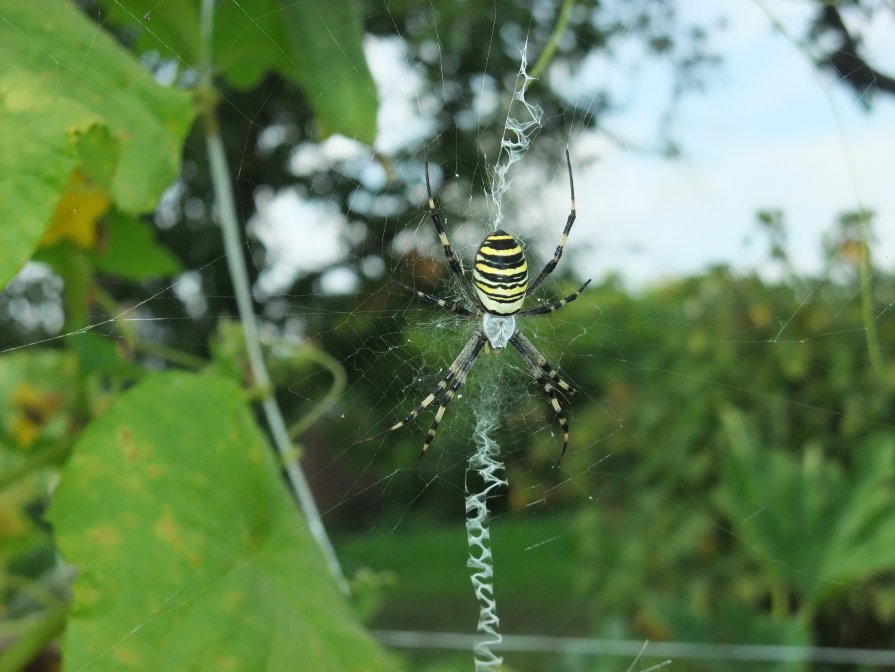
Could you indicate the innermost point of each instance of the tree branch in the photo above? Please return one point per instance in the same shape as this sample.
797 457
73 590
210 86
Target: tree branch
846 60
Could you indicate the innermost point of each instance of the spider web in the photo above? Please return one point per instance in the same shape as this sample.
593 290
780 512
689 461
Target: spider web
640 216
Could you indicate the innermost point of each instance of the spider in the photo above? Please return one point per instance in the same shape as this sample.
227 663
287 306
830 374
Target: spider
499 288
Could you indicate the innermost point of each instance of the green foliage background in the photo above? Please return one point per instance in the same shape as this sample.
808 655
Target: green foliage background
734 461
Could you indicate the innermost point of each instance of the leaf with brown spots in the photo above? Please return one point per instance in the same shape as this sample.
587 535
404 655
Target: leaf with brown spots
189 550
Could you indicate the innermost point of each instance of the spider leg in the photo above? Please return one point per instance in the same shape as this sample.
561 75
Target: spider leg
442 384
548 268
453 262
457 371
449 305
554 306
457 383
544 365
526 349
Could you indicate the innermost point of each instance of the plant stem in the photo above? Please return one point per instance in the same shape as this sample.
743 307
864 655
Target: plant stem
226 210
107 303
337 371
184 359
865 270
18 654
36 460
550 48
779 601
173 355
865 273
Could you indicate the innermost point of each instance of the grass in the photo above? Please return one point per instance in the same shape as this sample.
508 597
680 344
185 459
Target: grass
534 560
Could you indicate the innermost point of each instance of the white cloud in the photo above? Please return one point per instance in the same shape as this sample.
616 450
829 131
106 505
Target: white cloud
300 236
771 132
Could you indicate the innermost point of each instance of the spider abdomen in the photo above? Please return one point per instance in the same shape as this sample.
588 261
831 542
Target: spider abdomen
500 274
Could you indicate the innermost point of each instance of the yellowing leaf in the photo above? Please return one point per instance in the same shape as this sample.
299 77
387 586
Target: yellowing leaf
190 553
31 410
105 115
77 213
12 518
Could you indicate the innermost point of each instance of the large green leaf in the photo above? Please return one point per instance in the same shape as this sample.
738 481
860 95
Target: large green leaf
247 42
733 622
189 551
64 79
131 251
326 46
315 43
812 524
38 150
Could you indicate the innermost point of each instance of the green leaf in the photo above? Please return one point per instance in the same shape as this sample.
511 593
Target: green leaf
36 391
131 251
101 356
63 79
37 387
809 522
249 39
38 137
98 150
189 551
326 44
73 266
731 622
317 44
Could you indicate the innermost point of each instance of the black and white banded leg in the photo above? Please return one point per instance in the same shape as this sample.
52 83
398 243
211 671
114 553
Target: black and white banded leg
443 303
474 346
539 368
554 306
446 389
548 268
543 364
452 260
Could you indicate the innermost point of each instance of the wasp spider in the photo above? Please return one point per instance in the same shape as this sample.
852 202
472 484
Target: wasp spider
499 288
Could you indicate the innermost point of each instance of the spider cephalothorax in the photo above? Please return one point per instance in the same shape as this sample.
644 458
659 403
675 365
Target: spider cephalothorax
499 288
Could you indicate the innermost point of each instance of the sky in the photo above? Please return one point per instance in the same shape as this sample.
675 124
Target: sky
769 132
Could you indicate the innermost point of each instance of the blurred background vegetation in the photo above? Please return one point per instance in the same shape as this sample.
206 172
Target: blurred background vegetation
732 477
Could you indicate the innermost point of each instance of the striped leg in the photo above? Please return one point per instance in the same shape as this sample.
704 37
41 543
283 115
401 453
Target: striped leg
543 364
538 371
453 262
548 269
456 372
554 306
449 305
470 357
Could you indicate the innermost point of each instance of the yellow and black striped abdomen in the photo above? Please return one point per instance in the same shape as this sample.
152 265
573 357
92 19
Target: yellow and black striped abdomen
500 274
